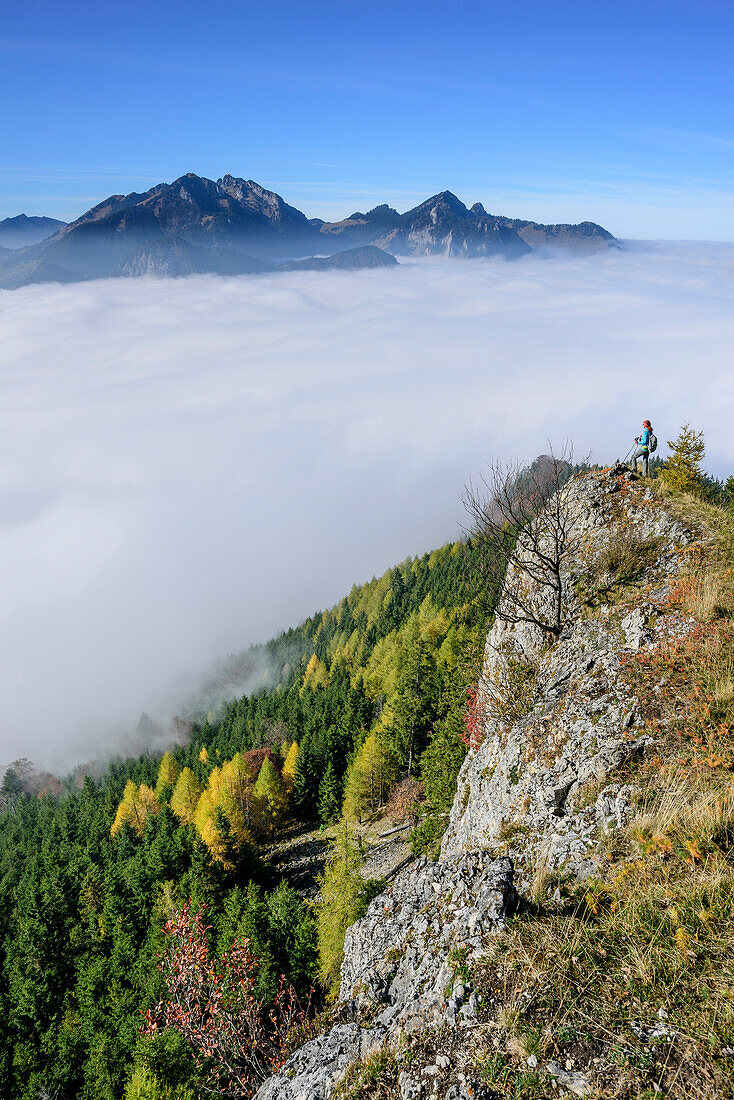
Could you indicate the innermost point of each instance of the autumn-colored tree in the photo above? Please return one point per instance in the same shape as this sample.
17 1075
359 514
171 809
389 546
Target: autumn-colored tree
137 804
126 810
227 811
204 755
236 1041
147 800
186 795
289 767
405 801
316 674
473 723
369 779
254 759
167 775
208 826
683 468
270 797
238 790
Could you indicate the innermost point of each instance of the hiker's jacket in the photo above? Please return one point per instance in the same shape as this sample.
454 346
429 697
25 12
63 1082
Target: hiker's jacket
645 438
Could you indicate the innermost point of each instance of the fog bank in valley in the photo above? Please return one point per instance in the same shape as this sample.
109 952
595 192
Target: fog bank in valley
191 465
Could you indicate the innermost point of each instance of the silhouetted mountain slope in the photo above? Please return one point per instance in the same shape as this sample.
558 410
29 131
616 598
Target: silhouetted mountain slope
17 270
174 257
443 225
124 234
21 231
348 260
583 237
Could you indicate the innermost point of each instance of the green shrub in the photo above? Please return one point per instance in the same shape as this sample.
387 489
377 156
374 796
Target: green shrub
144 1086
344 898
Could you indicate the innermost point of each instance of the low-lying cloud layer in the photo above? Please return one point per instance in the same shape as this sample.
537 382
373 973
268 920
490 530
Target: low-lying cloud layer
191 465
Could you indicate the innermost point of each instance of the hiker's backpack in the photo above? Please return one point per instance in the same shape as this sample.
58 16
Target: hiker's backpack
652 442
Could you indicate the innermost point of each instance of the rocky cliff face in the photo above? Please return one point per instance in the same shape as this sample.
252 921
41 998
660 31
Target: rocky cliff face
558 721
581 723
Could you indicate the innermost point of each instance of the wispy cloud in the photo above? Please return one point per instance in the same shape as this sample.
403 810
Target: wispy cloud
672 138
190 465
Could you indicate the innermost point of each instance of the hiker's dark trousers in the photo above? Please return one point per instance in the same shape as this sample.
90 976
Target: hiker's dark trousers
644 454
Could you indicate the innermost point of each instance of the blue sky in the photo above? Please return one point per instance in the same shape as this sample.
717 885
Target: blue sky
559 111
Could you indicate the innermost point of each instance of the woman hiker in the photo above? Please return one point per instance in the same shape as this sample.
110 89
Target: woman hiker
643 447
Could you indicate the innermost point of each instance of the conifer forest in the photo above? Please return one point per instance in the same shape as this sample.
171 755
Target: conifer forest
367 703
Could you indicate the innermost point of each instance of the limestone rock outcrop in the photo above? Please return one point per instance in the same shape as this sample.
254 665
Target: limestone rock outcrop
530 782
559 718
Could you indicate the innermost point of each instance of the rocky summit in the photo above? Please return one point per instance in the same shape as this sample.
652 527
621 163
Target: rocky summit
540 787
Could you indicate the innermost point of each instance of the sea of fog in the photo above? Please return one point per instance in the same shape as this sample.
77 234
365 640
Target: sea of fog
190 465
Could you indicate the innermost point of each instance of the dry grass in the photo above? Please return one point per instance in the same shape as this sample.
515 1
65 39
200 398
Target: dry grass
577 982
543 876
618 565
688 816
375 1075
508 695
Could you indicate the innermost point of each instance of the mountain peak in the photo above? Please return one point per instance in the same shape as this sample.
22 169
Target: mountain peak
22 230
383 210
445 201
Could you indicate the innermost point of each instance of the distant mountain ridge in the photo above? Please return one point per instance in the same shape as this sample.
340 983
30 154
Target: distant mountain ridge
235 226
21 231
444 224
349 259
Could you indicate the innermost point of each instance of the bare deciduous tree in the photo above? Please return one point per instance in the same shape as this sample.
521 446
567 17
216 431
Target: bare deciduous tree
524 530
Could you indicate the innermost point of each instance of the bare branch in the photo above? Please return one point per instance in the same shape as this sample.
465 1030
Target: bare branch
523 532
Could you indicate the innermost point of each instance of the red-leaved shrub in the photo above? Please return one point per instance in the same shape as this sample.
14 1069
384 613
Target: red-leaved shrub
236 1041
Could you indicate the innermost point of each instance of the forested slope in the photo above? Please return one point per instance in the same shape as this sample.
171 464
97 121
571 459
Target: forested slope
366 695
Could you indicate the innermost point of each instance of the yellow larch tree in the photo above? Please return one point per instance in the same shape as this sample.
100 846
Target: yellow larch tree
185 797
270 797
289 767
167 775
135 808
369 779
316 674
225 811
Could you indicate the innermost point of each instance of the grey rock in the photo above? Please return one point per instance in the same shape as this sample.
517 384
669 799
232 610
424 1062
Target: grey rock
313 1070
635 629
577 1083
468 1090
410 1088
